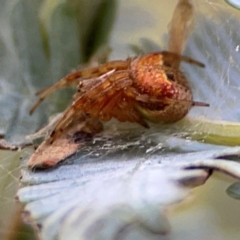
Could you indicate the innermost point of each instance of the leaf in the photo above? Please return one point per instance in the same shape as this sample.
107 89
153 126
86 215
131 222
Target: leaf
106 195
19 69
35 51
101 25
234 3
234 190
127 176
60 31
37 54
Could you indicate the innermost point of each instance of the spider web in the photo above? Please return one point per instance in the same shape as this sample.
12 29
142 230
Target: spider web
215 41
9 183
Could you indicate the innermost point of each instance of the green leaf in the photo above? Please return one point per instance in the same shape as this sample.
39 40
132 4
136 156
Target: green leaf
40 42
101 26
234 190
60 32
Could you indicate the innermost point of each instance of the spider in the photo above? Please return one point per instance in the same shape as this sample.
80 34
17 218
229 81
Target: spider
147 88
141 89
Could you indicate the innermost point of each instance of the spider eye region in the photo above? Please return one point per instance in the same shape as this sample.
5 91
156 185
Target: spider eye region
170 77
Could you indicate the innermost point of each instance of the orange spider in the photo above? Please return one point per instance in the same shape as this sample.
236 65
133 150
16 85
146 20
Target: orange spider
147 88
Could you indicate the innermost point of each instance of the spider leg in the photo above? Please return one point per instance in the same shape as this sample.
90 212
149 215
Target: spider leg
173 60
131 92
176 76
145 98
180 26
128 110
97 102
72 79
120 106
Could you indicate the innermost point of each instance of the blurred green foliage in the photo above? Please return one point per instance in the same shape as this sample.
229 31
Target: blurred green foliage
234 190
41 41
